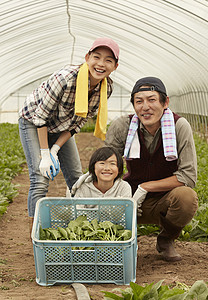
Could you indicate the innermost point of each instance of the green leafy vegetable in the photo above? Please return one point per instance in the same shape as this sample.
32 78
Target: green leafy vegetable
63 232
82 229
42 233
199 290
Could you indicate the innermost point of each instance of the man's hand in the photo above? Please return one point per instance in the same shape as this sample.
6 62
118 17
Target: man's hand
139 212
54 157
139 196
47 168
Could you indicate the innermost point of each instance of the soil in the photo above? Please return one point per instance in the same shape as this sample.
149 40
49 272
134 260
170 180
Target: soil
17 267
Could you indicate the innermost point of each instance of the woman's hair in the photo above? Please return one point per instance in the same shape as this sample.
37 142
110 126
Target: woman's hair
103 154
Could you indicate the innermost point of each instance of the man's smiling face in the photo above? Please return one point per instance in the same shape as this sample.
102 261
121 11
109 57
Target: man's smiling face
149 109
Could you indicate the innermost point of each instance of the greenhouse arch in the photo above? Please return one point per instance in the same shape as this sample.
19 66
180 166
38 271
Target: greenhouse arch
166 39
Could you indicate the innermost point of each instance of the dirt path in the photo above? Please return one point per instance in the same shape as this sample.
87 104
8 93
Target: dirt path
17 268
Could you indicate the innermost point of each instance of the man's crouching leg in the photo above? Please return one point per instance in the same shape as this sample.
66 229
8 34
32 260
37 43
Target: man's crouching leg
165 240
183 204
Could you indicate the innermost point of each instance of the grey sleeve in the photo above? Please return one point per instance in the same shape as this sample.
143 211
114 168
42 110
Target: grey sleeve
80 192
125 190
117 133
187 159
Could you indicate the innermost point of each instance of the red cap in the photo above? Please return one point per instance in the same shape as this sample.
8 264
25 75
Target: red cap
107 42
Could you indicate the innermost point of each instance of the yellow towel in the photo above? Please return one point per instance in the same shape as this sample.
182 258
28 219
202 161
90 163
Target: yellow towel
81 101
81 97
101 123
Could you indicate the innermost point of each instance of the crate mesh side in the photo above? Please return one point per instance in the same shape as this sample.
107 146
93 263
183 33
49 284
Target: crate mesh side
84 272
110 273
61 215
57 254
54 254
83 256
91 214
114 213
58 273
110 254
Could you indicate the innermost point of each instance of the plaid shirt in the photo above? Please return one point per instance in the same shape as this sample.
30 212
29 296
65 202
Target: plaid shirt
52 103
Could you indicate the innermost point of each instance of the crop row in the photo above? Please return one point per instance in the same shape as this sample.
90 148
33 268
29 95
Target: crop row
11 161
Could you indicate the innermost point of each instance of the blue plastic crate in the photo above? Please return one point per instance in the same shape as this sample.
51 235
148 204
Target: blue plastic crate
109 262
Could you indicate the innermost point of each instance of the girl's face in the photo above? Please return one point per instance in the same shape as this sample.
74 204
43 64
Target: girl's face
101 63
106 170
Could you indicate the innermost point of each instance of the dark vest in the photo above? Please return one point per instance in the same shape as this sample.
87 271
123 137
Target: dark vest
149 166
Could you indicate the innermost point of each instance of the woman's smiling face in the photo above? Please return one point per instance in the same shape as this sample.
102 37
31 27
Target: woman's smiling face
101 63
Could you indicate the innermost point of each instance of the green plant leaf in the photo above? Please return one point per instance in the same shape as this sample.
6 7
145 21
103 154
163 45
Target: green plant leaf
199 290
176 297
137 289
109 295
173 294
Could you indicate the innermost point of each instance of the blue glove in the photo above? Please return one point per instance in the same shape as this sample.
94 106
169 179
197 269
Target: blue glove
54 157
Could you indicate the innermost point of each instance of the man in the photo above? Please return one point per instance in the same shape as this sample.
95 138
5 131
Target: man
161 162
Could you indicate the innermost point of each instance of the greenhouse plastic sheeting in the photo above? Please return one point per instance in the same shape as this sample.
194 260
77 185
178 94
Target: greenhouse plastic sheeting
167 39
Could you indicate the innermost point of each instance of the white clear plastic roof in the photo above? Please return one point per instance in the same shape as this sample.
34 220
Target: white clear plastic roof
166 39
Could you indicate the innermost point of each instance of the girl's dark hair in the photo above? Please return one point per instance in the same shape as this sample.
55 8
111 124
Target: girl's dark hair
103 154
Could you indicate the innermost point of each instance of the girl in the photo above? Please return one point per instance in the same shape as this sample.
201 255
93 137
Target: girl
106 169
57 109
